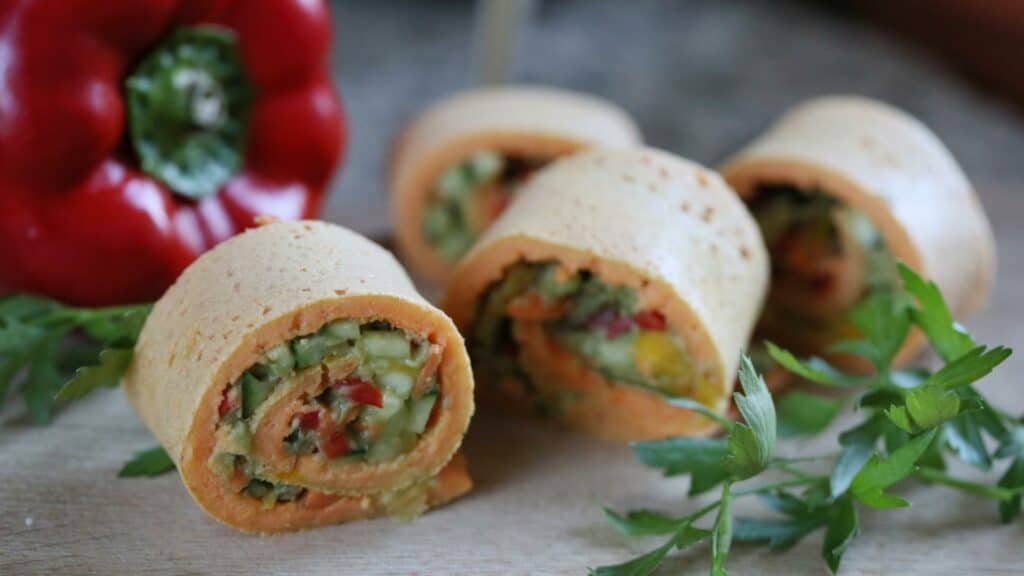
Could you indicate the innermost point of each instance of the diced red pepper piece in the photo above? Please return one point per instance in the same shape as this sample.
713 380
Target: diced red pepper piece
652 320
335 444
611 322
360 391
309 420
229 401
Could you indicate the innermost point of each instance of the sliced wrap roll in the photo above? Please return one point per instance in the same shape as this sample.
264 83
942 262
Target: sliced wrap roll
843 187
617 280
297 379
457 166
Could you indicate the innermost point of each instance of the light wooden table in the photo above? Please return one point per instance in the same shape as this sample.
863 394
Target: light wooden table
535 509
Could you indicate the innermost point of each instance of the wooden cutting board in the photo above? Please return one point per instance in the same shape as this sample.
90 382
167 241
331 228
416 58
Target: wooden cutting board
535 509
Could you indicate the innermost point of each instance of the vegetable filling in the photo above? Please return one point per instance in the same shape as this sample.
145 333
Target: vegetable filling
826 257
603 324
377 392
469 196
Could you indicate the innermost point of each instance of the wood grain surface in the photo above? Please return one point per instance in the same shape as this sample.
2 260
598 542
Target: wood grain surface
536 508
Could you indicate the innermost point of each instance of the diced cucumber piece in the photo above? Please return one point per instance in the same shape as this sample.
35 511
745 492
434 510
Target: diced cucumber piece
385 344
257 488
419 412
288 492
453 183
238 440
612 357
260 371
222 464
420 354
251 468
280 360
390 405
386 448
341 331
397 382
254 392
485 165
309 350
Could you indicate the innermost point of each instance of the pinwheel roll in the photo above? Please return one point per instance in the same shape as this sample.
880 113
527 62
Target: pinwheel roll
619 279
297 379
458 165
842 187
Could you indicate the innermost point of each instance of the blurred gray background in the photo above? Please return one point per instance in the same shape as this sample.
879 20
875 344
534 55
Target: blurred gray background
701 77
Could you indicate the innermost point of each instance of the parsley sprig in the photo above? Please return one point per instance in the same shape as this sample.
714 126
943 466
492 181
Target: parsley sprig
913 420
148 463
51 352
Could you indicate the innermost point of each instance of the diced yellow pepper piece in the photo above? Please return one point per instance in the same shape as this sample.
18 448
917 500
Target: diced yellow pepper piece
660 357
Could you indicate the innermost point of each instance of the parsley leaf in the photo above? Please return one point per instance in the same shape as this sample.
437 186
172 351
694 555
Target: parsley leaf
778 533
703 410
948 338
858 446
1013 478
785 503
879 473
814 369
107 374
1011 443
149 463
682 455
802 414
842 530
931 403
752 445
968 368
643 522
704 459
639 566
35 355
924 408
963 435
647 563
42 379
882 319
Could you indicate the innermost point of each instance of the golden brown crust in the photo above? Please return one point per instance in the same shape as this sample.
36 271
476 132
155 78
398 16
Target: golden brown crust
644 218
258 290
889 166
518 121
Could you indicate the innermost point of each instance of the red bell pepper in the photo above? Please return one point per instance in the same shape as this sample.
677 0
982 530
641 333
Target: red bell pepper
309 420
360 391
135 134
651 320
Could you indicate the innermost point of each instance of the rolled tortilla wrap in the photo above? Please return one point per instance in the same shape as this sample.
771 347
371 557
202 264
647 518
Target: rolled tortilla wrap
457 165
885 189
618 279
297 379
